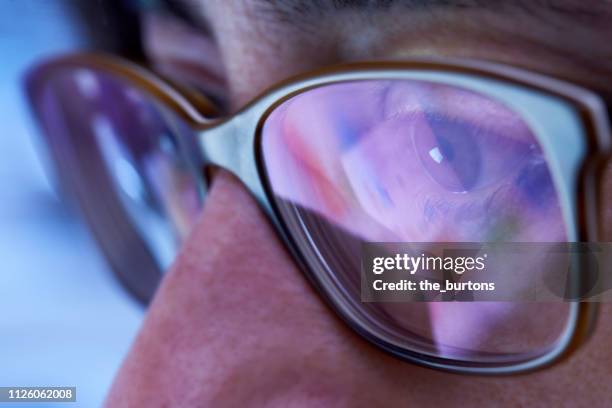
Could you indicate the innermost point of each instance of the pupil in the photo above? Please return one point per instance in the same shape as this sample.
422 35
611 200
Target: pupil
445 147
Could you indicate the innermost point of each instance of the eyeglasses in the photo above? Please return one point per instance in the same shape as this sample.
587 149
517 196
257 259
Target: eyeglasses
422 151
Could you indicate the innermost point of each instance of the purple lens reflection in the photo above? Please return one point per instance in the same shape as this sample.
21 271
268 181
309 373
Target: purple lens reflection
123 145
140 145
414 161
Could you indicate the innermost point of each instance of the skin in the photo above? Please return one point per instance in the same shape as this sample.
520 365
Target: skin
234 322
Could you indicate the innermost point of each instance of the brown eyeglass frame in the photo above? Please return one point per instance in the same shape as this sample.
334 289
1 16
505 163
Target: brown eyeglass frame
233 143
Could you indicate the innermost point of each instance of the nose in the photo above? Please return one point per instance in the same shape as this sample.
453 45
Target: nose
234 320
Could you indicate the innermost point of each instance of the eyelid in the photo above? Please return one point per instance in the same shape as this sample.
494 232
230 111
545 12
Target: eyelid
408 97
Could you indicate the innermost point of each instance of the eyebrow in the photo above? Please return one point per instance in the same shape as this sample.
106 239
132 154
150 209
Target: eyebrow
310 6
289 10
305 12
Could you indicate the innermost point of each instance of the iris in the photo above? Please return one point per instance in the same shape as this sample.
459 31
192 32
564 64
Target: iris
450 153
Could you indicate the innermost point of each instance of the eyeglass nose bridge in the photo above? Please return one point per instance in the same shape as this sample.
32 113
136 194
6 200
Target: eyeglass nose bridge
231 145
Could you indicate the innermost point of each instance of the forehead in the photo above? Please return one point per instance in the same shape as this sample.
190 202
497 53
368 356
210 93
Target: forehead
565 24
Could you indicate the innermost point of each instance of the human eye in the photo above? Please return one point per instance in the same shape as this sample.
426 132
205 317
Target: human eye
462 157
432 169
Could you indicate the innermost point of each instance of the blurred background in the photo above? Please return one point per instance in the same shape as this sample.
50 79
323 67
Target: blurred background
66 320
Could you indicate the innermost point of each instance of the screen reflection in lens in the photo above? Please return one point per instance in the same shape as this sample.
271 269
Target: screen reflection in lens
415 161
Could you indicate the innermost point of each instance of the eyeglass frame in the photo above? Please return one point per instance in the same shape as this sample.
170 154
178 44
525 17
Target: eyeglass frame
234 143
